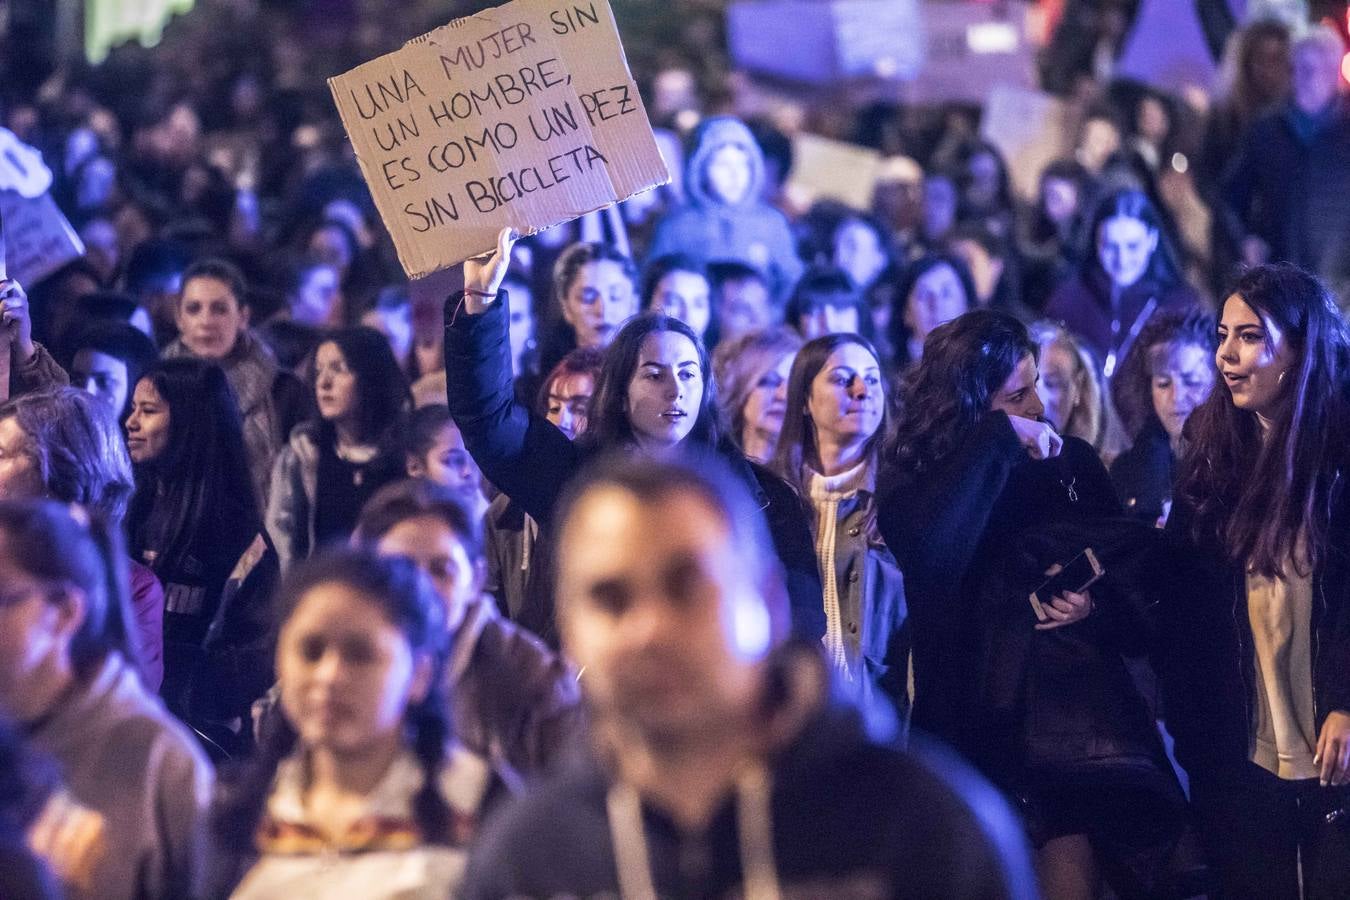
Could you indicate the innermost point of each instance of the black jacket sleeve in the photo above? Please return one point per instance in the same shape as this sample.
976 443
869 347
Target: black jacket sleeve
520 452
933 524
791 533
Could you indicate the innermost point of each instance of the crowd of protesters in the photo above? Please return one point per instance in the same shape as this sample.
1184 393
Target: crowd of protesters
710 546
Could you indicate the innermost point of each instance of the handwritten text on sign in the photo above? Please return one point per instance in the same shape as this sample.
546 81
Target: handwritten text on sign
525 115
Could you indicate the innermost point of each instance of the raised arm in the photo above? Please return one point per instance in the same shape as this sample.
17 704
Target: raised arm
520 452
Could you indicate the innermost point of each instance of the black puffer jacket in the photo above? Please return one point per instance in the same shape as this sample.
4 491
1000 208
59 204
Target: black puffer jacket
531 461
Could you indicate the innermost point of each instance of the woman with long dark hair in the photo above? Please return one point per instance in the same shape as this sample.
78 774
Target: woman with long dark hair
1256 661
359 790
1127 272
331 466
989 503
195 523
828 452
655 392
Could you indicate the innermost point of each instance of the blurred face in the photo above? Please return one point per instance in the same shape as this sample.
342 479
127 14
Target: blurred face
346 674
767 404
684 296
729 174
569 403
937 297
147 424
522 325
1124 247
331 246
982 192
1253 355
103 376
824 319
666 389
985 269
939 206
1059 197
670 632
1182 377
449 464
335 386
1152 120
1269 67
438 551
314 301
20 478
1017 396
210 318
859 252
599 300
34 636
847 396
1060 387
1100 139
745 307
1315 78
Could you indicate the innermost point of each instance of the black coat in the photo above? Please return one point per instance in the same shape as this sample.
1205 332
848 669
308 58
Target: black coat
531 461
1143 474
1084 305
1051 716
1205 658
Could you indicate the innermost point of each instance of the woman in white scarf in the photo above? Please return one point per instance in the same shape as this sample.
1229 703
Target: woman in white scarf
835 423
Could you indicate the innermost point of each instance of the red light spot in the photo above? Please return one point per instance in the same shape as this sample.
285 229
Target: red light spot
1345 67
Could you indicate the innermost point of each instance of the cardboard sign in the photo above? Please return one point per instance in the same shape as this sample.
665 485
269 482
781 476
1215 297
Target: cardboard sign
1030 129
823 169
38 238
524 115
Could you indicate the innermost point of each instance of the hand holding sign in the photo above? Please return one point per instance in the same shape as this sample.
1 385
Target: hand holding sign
523 116
483 275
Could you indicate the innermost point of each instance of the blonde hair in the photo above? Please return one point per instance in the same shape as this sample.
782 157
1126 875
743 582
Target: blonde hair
1093 418
739 364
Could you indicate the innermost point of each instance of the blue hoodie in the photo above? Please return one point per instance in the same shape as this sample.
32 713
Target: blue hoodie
708 229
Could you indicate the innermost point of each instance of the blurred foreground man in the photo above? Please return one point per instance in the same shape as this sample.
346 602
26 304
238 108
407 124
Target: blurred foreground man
722 766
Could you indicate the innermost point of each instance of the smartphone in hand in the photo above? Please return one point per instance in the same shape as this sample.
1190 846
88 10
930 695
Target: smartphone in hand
1074 576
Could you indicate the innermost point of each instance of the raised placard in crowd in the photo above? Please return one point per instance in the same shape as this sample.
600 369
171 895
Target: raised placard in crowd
524 115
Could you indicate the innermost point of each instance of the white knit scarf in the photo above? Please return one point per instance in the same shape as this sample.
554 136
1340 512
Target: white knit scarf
827 491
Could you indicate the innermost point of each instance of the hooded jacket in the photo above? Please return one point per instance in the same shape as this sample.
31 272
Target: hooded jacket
709 229
847 817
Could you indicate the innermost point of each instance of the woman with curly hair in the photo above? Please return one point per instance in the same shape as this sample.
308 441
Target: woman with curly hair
989 502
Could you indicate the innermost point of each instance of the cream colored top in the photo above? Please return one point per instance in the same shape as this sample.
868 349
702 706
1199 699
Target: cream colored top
1280 611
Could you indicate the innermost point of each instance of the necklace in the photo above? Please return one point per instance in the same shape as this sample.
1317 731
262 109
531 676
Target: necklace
1073 493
